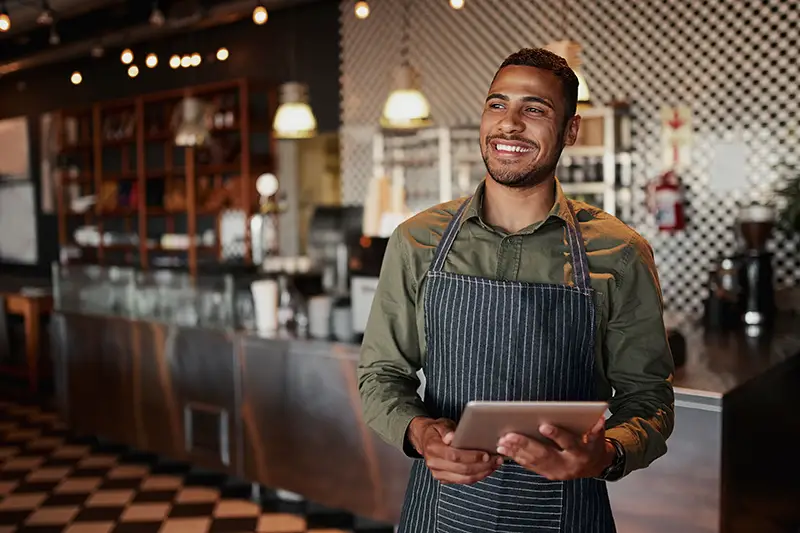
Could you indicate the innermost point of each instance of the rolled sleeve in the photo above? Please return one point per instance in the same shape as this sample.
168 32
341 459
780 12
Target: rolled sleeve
390 352
639 368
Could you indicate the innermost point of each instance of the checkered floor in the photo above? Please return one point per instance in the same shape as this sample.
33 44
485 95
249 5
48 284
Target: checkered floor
50 482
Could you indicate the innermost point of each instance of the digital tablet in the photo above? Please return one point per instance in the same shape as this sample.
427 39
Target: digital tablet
483 423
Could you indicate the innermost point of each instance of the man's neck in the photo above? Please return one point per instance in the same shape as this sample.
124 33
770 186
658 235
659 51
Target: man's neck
514 209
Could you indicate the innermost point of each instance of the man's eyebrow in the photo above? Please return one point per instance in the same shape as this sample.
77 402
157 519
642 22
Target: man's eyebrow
497 96
537 99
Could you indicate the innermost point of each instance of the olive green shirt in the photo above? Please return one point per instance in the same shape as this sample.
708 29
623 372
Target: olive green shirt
634 365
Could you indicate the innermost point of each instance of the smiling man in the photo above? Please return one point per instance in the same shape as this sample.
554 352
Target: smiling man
518 294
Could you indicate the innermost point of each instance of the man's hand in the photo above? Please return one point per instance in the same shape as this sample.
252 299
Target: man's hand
432 439
574 457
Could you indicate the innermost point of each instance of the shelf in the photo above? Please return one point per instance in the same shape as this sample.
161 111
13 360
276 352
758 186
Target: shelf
152 248
146 159
589 187
114 143
83 145
584 151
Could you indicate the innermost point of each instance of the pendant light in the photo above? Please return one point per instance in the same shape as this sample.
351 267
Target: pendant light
190 118
406 108
570 51
294 118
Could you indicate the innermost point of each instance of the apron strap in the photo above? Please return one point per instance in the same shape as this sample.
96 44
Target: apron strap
448 238
580 262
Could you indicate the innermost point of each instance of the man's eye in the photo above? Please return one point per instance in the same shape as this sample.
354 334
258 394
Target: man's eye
534 110
496 106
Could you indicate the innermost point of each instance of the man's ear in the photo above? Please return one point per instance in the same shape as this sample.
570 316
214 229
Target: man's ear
571 133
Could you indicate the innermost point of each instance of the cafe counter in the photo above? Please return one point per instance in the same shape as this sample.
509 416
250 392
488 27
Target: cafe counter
286 413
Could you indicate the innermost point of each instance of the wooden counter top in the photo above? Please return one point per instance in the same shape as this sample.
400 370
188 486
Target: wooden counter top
717 362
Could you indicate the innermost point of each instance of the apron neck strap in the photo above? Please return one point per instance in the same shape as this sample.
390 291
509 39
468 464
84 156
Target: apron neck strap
447 238
580 262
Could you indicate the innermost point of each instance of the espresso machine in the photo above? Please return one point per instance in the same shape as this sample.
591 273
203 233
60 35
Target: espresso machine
756 285
364 267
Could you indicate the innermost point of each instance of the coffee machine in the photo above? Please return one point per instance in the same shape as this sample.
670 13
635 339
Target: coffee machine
366 259
757 291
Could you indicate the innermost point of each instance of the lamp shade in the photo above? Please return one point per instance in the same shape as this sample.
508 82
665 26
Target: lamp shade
406 107
294 118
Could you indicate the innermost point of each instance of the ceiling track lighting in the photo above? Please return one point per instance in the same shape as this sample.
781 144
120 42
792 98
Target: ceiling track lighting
260 14
362 9
5 19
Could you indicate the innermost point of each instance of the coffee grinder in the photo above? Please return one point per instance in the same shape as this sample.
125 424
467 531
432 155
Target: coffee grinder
756 223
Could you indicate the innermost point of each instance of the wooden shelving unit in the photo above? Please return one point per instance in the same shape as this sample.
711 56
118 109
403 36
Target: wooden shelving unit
147 189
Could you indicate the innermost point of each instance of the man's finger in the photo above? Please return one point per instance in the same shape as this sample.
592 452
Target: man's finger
522 448
440 465
563 438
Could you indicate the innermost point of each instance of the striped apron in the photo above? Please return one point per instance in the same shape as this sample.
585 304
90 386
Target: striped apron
506 340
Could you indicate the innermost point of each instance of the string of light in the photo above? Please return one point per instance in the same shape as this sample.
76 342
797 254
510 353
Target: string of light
151 61
362 9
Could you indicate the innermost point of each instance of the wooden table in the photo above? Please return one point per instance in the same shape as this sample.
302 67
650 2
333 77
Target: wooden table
31 305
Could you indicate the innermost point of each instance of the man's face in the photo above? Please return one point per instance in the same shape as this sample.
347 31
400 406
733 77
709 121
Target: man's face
522 127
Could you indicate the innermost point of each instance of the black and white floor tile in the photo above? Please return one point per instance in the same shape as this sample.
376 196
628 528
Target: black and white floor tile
50 482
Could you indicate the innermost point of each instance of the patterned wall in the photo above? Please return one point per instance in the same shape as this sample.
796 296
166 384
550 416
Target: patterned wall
732 62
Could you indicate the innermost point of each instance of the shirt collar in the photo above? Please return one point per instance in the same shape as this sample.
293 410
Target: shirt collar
474 210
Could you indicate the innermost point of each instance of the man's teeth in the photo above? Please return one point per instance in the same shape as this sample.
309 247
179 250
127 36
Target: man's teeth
510 148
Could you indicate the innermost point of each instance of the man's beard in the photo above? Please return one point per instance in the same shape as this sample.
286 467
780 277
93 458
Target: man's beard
528 177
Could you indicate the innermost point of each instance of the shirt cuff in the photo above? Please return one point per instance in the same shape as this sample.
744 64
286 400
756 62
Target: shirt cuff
630 443
399 430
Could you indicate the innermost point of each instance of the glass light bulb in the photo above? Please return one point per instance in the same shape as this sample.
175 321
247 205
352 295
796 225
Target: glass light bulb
583 87
196 60
362 10
175 61
5 22
127 56
260 15
151 61
76 78
223 54
133 71
456 4
186 61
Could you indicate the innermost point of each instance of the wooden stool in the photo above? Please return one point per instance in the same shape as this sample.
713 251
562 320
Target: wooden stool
31 305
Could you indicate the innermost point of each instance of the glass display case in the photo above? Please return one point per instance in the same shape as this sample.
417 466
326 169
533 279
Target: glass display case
160 295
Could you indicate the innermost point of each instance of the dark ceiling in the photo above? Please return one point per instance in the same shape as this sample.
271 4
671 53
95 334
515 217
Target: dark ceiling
86 25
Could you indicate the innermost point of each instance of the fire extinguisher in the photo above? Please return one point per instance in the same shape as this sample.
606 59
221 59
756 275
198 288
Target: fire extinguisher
667 202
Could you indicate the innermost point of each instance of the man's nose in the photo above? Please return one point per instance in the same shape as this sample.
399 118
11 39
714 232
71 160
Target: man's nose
512 123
